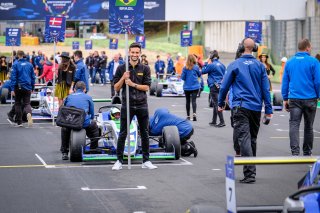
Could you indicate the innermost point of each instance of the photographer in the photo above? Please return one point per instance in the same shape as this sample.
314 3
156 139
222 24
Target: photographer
215 70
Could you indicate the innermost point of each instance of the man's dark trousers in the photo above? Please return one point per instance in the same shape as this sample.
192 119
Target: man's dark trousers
246 128
214 91
22 101
307 108
143 120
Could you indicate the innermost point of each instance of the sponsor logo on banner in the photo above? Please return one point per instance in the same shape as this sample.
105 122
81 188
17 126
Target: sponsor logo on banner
13 36
150 5
58 7
7 6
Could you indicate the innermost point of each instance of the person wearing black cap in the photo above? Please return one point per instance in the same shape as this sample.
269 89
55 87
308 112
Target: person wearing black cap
65 79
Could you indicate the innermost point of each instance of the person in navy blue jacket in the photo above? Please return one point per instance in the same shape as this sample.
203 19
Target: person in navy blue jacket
22 83
159 67
170 67
80 100
81 74
250 88
112 68
191 85
215 70
162 118
300 91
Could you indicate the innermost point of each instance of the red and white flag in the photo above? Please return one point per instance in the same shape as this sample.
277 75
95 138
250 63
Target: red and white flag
55 21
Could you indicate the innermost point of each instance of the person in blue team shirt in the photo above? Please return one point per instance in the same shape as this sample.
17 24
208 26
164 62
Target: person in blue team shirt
300 91
170 67
191 85
82 73
39 63
162 118
80 100
250 88
159 67
215 70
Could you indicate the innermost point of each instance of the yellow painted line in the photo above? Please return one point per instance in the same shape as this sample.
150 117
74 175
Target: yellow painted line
287 160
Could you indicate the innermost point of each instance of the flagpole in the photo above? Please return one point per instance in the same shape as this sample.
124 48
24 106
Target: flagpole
127 102
54 80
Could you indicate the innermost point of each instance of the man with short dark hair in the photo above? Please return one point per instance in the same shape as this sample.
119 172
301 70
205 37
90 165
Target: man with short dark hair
300 91
81 73
22 83
159 67
250 88
138 79
80 100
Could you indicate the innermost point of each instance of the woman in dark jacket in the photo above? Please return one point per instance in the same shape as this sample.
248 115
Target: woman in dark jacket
190 75
65 78
3 69
270 71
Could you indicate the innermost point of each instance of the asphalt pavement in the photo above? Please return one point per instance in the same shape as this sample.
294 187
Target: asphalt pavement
35 179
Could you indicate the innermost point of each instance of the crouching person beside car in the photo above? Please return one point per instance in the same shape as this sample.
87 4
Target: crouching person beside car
162 118
79 99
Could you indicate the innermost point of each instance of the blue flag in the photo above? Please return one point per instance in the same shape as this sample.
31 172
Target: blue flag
75 45
13 36
55 29
254 30
113 44
126 16
88 44
142 41
186 38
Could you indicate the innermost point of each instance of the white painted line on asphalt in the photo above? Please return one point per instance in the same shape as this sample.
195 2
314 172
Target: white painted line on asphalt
115 189
286 137
282 115
43 162
300 130
186 162
216 169
276 124
206 108
139 212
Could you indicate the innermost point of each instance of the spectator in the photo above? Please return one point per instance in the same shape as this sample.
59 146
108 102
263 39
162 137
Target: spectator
170 66
191 85
270 71
250 88
159 67
144 59
112 68
3 69
103 66
300 91
96 67
81 73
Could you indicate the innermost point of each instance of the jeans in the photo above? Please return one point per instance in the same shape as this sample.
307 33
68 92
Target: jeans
103 76
191 94
94 73
308 109
22 101
92 131
143 120
246 128
214 94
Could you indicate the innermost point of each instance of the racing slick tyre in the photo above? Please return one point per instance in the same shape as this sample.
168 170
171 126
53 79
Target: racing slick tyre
153 88
171 138
4 95
159 90
277 100
77 142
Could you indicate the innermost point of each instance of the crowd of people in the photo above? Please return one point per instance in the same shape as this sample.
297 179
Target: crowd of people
245 84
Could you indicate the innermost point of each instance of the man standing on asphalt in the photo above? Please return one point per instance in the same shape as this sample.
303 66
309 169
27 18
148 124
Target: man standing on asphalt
112 68
22 83
170 67
138 79
215 70
250 88
81 73
300 91
159 67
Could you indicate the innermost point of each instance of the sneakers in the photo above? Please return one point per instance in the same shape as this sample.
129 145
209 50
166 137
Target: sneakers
91 85
248 180
65 156
117 166
194 117
18 125
212 124
188 118
148 165
10 117
220 125
29 118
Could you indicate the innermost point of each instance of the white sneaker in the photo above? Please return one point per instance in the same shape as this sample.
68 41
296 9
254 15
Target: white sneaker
29 118
148 165
18 125
91 85
101 85
117 166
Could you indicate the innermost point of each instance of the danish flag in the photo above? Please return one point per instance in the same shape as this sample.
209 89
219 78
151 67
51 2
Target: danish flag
55 21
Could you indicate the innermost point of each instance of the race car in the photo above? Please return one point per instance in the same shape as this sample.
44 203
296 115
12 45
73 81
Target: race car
172 86
166 146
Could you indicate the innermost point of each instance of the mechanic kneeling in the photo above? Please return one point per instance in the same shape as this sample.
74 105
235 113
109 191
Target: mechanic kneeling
80 100
162 118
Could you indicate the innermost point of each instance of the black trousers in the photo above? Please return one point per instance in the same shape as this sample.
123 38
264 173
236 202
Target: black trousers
191 95
214 91
236 145
113 92
307 109
22 101
143 120
92 131
246 128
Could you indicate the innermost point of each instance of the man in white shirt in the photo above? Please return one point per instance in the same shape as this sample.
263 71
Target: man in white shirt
112 68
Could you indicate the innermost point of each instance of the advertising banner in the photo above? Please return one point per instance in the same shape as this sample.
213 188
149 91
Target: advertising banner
142 41
126 16
186 38
71 9
88 44
75 45
55 29
13 36
113 44
254 30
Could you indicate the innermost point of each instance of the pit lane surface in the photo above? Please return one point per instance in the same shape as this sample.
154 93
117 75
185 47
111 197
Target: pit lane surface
35 179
